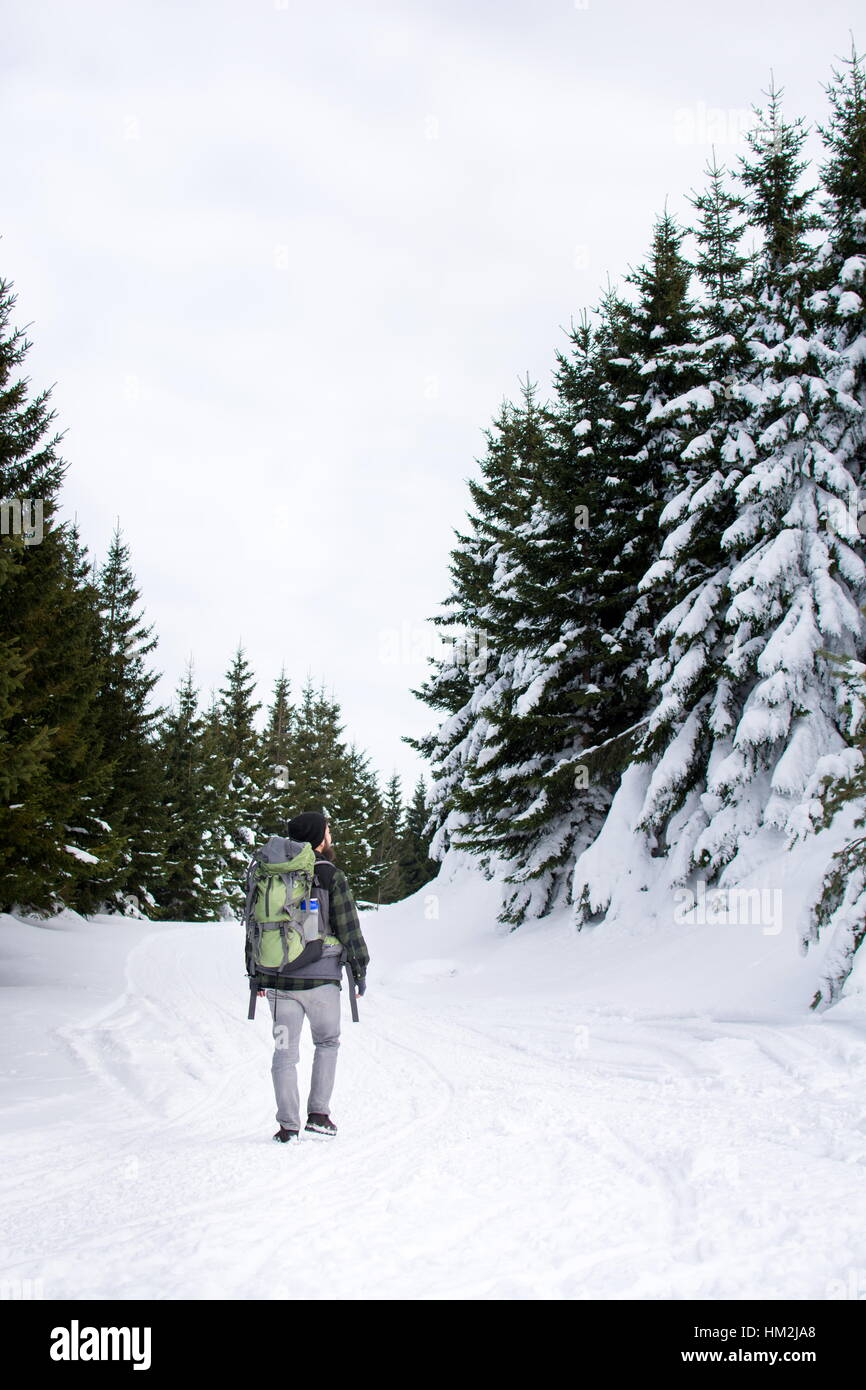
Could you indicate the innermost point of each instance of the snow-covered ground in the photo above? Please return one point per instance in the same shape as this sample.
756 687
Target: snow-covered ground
646 1109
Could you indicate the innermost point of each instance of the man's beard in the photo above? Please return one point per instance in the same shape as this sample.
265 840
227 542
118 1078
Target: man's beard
327 854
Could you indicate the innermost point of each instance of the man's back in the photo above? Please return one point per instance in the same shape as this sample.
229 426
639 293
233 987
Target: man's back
344 939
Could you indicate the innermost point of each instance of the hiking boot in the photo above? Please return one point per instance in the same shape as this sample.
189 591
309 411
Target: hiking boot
320 1124
284 1135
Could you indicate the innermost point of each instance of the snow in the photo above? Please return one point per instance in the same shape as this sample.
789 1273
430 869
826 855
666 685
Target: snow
531 696
642 1109
81 854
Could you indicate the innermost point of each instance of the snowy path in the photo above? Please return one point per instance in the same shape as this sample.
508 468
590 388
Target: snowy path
491 1146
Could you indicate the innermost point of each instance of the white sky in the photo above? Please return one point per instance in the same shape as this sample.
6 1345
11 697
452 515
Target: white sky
283 261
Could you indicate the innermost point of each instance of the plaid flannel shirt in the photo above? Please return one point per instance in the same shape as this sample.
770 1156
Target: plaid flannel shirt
343 923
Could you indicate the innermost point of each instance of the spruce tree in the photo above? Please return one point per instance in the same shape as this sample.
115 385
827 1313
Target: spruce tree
566 610
357 825
239 777
182 891
51 772
416 866
466 678
277 753
793 584
838 784
391 886
516 784
658 388
689 580
316 752
840 299
217 874
97 847
335 779
127 721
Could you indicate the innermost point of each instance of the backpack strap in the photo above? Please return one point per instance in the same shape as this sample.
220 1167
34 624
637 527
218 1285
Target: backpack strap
251 888
325 872
325 880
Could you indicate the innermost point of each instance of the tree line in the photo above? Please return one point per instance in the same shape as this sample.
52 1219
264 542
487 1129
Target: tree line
110 803
666 558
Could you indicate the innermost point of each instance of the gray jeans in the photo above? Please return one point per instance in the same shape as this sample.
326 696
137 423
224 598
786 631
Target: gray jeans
288 1006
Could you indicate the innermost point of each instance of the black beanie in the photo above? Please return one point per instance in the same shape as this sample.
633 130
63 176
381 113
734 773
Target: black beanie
309 825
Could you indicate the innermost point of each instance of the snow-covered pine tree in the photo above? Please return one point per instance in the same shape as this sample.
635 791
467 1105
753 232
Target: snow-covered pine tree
839 780
658 388
627 447
503 752
465 679
564 696
838 785
841 269
794 583
689 580
572 626
127 723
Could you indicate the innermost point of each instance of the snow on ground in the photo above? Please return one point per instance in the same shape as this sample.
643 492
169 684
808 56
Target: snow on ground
645 1109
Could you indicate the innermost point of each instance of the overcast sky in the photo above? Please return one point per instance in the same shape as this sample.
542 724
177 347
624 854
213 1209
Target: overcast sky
284 260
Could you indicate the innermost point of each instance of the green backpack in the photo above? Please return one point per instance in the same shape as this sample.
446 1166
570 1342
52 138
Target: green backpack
280 927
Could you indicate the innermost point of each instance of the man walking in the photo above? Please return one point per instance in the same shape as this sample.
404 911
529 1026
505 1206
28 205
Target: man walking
314 990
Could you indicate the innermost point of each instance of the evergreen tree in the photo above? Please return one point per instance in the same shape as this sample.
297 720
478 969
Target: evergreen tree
796 583
391 885
564 608
416 866
336 780
239 777
465 680
278 755
791 585
840 300
132 802
689 580
217 877
96 846
357 825
316 753
182 891
49 836
838 785
657 389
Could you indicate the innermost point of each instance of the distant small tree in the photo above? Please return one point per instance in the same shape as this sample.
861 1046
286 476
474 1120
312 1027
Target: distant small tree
417 868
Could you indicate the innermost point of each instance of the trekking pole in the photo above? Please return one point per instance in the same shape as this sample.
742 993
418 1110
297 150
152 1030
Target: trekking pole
252 1012
352 999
